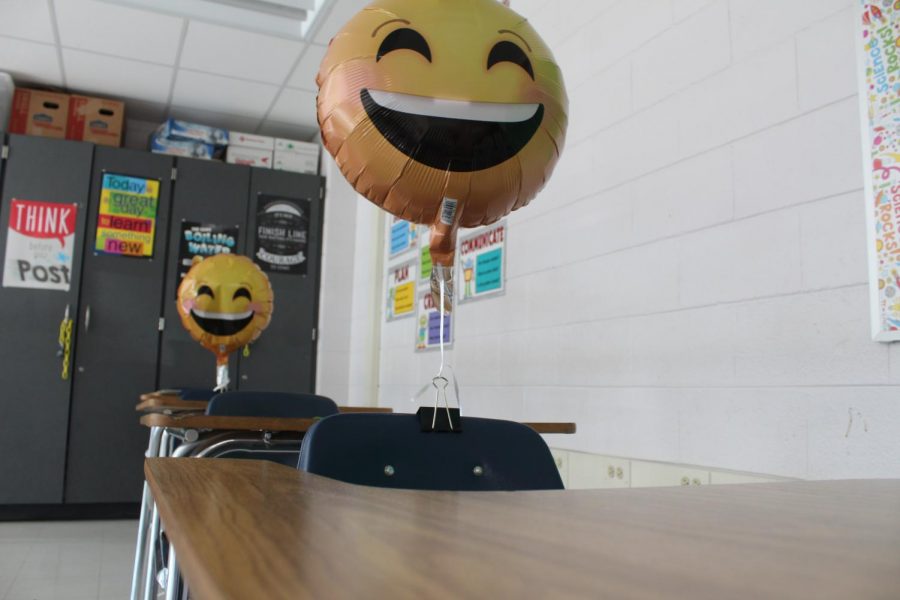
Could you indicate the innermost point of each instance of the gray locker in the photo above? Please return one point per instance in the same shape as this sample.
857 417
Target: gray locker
34 409
283 358
118 336
208 193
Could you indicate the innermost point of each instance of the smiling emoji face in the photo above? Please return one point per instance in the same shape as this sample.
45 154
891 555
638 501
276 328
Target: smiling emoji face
421 100
225 302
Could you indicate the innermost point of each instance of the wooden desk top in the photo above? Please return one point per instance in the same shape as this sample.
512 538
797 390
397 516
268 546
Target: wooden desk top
168 404
195 421
251 529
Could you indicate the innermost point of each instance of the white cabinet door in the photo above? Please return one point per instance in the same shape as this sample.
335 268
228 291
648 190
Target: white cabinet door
650 474
591 471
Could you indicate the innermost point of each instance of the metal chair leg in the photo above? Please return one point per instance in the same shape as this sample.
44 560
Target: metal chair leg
150 559
152 451
173 575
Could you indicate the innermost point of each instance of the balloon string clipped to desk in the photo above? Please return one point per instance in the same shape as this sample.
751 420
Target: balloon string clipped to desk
439 381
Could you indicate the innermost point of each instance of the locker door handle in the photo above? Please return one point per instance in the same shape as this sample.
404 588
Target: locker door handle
87 318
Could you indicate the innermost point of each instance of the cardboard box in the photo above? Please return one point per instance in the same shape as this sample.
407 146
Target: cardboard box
183 131
191 149
251 140
96 120
36 112
254 157
293 155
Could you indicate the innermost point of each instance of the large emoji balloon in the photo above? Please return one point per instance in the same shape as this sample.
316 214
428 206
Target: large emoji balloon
450 113
225 302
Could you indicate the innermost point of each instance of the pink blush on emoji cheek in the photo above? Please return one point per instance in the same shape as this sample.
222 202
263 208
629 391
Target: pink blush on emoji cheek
255 306
188 304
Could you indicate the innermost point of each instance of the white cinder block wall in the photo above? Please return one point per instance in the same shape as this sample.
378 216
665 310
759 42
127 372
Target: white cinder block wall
691 285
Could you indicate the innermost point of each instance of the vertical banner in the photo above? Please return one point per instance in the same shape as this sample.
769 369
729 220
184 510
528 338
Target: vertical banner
879 71
126 221
424 255
401 236
40 244
428 323
198 239
401 291
282 232
482 263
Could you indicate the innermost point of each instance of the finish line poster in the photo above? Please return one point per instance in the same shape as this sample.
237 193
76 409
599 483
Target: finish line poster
40 244
282 232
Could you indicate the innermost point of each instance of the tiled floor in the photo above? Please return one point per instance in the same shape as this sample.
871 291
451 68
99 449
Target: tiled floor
71 560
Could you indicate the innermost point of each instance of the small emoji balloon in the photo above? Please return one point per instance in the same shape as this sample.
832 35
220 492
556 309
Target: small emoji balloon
449 113
225 302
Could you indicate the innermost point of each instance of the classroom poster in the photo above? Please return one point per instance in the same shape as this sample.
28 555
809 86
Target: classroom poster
198 239
880 110
401 291
424 255
401 236
40 244
482 263
282 229
126 221
428 323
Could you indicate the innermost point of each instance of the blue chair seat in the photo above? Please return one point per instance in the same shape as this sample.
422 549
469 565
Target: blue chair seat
390 450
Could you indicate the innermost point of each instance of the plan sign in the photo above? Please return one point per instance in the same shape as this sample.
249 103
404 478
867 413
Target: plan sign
401 291
40 244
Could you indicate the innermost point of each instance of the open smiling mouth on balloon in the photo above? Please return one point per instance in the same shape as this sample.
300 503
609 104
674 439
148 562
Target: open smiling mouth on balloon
221 323
452 135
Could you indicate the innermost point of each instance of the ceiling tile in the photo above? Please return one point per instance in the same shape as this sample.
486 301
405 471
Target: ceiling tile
30 62
215 119
119 31
304 76
28 19
227 51
98 74
295 107
341 11
222 94
291 132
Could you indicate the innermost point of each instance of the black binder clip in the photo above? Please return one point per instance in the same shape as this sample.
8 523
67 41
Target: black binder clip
437 420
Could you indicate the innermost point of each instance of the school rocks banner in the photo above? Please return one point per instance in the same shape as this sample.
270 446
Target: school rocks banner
40 244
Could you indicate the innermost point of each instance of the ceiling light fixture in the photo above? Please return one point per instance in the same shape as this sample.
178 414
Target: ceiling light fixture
281 18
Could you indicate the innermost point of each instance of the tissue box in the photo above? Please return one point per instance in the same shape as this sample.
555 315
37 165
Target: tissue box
190 149
253 157
35 112
95 120
300 157
251 140
183 131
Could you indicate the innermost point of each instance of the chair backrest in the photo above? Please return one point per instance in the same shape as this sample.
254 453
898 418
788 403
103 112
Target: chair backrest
390 450
195 393
270 404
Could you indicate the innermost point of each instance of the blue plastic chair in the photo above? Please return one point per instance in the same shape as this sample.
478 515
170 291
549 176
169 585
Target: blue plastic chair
390 450
196 393
270 404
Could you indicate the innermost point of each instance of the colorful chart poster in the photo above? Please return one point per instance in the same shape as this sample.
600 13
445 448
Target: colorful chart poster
282 229
401 291
401 236
482 263
424 255
198 239
428 323
880 111
126 221
40 244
